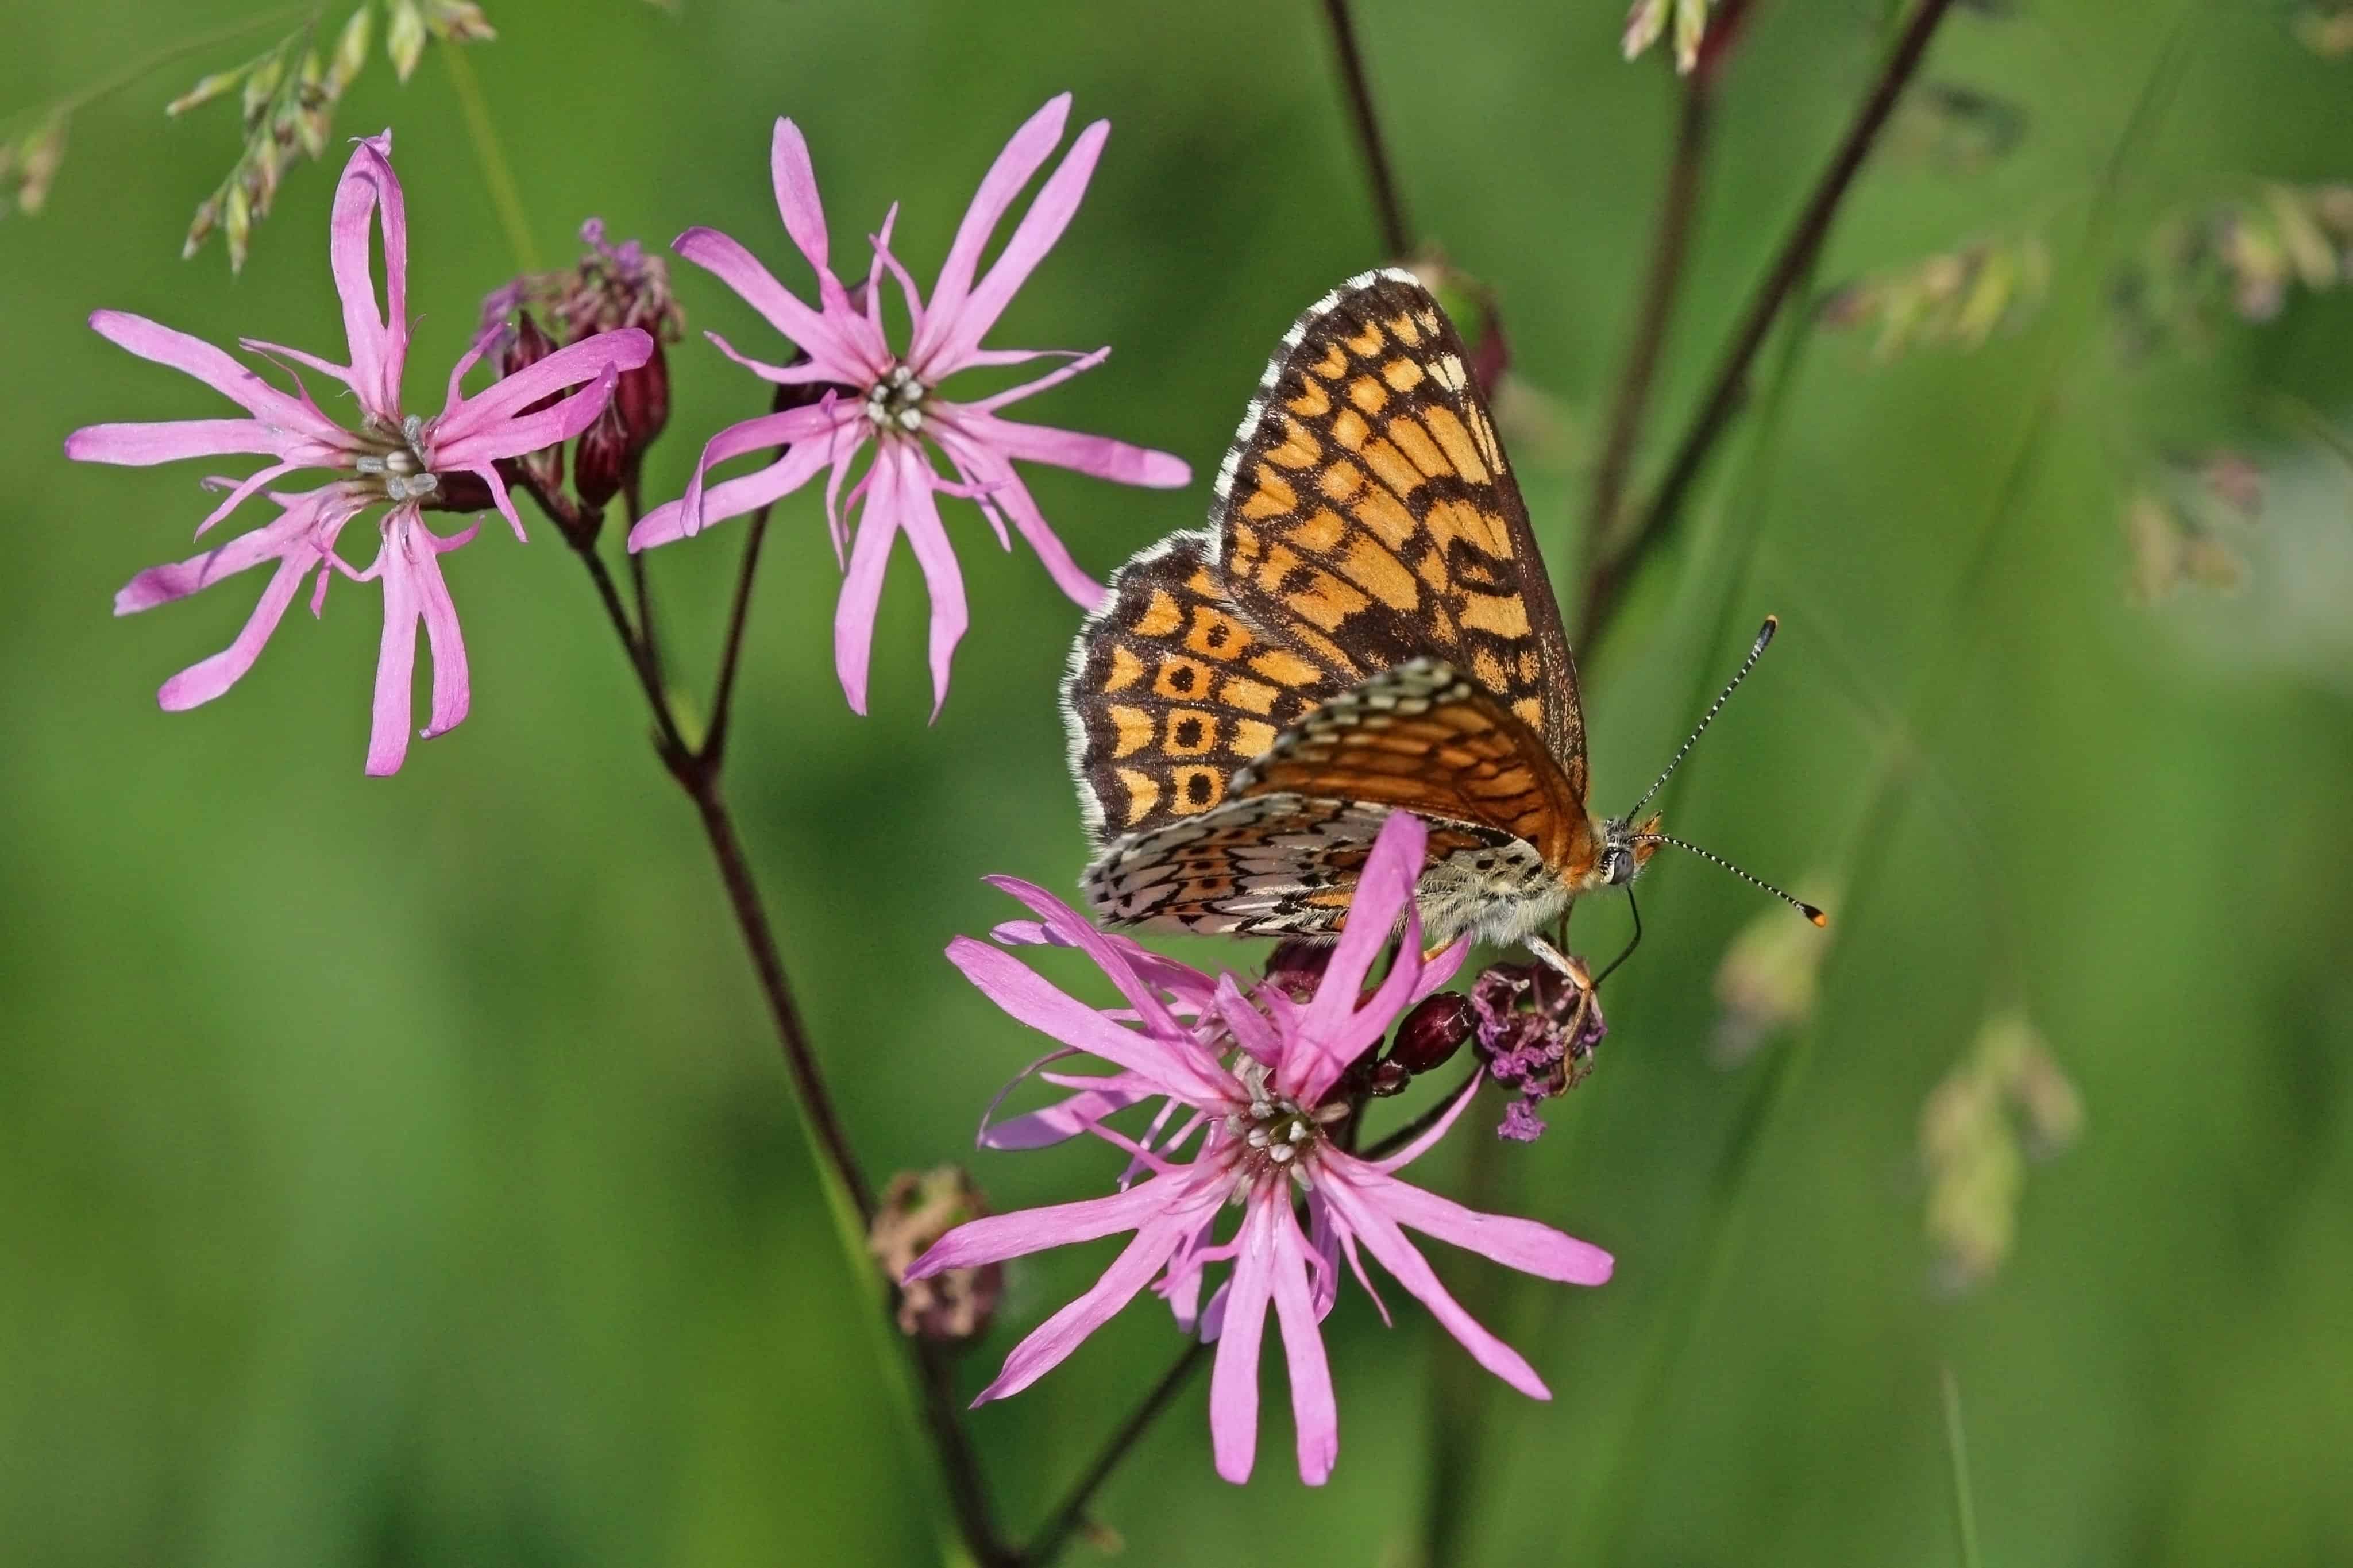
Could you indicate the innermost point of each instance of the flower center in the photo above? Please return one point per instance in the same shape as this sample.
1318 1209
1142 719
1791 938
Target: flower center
1274 1133
397 464
896 402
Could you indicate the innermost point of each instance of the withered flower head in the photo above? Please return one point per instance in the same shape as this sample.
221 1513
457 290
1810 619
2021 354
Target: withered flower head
917 1209
1538 1029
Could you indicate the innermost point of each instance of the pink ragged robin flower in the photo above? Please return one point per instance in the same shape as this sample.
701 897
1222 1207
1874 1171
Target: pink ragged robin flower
888 399
386 455
1258 1079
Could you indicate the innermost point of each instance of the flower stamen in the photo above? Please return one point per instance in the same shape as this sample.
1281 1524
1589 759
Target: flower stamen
895 403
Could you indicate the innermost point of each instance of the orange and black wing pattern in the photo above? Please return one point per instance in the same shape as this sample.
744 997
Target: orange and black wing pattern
1367 508
1364 516
1282 854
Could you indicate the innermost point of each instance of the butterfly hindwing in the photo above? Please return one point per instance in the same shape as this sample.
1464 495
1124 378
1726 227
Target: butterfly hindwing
1423 738
1172 688
1287 865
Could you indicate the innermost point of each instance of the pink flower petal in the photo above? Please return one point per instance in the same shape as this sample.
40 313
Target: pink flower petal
1335 1031
242 492
823 340
302 535
395 666
1113 955
1097 456
491 422
1522 1244
997 1236
140 445
796 200
1233 1381
193 356
804 373
861 585
1431 1135
1048 1345
379 342
208 677
1077 365
1386 1242
1040 227
1023 156
920 517
827 432
1062 1120
1314 1412
1177 1069
452 687
162 584
1009 492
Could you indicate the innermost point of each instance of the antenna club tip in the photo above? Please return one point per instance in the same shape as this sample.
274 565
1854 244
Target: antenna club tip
1814 914
1765 632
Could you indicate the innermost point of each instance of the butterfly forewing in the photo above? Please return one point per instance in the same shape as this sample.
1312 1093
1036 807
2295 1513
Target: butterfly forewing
1368 503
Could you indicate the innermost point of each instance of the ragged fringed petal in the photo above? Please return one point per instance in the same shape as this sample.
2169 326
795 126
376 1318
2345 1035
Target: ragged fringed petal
1515 1242
1052 1341
1110 954
1064 1121
293 417
1099 456
823 433
1006 490
958 330
1313 1411
919 511
491 425
796 200
1334 1030
826 343
409 569
1233 1380
1176 1065
143 445
1023 156
861 583
999 1237
369 190
301 539
1381 1237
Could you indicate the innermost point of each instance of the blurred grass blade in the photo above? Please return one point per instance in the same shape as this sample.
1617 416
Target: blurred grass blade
1957 1452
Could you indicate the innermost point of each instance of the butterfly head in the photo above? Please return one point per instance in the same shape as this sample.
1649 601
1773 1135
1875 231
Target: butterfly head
1625 850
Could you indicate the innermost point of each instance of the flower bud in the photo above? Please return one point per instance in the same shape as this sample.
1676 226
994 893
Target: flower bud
602 460
643 397
917 1209
1297 968
542 471
1433 1032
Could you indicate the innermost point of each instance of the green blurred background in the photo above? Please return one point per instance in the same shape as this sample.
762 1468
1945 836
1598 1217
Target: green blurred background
401 1172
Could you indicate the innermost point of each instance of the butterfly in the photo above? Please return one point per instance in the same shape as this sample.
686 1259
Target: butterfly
1365 626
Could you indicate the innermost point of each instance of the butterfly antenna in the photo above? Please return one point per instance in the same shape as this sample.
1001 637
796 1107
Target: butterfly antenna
1799 905
1756 651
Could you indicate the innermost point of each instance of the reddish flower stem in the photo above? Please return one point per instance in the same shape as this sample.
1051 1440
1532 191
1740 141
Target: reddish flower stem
1670 249
697 770
1397 234
1613 572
